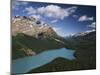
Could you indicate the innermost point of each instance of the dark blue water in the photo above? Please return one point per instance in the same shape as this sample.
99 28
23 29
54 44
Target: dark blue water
26 64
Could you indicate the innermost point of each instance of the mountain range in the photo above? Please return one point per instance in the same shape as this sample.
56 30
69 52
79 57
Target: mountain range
30 37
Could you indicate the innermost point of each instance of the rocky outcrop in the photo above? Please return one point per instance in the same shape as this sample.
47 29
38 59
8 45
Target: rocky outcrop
23 25
30 26
28 52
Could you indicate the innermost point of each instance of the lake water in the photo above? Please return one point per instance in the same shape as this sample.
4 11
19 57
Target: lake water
26 64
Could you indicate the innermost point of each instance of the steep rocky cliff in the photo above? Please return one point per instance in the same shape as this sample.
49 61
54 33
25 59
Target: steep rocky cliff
31 26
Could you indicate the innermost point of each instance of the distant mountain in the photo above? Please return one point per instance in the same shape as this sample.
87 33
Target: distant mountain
89 35
83 35
84 39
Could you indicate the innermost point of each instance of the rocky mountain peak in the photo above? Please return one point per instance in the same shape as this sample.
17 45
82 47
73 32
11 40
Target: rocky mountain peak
30 26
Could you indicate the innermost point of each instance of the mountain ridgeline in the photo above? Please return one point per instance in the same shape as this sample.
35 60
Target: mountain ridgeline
31 26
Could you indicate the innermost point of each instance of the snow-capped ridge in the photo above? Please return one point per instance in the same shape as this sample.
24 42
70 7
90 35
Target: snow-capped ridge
82 33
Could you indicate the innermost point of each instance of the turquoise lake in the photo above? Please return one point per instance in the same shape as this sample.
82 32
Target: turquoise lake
24 65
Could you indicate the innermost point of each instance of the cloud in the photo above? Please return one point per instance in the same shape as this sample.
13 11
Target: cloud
16 4
92 25
85 18
75 16
30 10
54 21
54 11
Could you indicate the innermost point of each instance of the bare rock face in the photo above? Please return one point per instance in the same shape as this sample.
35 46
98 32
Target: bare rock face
23 25
28 52
30 26
47 31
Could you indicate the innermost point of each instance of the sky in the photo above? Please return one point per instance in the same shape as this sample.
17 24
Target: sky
65 19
